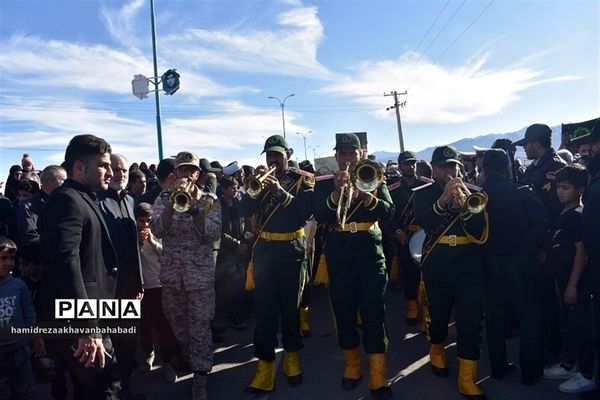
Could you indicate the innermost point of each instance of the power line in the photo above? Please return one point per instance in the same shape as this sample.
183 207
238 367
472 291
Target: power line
453 42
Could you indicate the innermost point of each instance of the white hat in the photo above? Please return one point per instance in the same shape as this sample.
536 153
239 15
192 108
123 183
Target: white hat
231 168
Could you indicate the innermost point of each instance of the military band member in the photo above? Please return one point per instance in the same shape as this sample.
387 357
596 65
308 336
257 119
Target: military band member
403 226
188 266
356 266
279 262
452 268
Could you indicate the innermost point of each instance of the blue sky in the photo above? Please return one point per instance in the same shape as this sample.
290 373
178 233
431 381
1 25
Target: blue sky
471 67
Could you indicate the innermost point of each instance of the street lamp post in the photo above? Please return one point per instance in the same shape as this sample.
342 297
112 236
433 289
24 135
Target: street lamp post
314 149
304 135
282 104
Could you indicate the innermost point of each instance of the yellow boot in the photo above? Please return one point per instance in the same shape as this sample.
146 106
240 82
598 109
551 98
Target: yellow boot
304 325
264 378
378 383
291 368
352 369
467 379
437 356
412 312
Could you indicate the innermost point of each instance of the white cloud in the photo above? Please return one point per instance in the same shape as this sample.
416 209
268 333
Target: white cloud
291 49
439 94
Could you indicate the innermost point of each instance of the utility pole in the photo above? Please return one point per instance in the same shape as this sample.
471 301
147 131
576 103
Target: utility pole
304 135
397 107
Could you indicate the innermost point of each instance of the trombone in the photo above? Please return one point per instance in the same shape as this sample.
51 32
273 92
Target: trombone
366 176
254 185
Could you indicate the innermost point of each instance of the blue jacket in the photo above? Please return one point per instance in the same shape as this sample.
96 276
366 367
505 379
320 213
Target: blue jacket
16 309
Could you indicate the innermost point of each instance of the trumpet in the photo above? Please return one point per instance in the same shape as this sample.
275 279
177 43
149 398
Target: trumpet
366 176
255 184
181 199
467 197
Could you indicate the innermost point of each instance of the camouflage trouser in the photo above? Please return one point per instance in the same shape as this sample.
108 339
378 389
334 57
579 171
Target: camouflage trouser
190 313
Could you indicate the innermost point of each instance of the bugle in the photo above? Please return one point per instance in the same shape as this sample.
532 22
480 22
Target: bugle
181 199
343 205
254 185
467 197
366 176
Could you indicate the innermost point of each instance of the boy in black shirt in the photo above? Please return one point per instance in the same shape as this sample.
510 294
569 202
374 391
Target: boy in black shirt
569 260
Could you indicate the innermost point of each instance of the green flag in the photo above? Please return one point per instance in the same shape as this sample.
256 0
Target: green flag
580 130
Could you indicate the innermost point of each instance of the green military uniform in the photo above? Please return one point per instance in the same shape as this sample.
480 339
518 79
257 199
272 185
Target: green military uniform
279 257
356 266
404 220
453 273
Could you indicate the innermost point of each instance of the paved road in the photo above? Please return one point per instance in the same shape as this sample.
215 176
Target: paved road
322 366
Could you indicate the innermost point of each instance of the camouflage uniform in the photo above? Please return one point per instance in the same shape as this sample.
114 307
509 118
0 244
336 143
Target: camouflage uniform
188 276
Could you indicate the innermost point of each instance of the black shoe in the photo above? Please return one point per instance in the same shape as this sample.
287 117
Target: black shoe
440 372
295 381
529 378
383 393
349 383
412 321
475 396
256 393
216 338
510 367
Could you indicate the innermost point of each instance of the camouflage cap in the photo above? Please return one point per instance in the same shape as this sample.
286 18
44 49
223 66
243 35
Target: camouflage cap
346 140
444 155
276 143
187 158
406 156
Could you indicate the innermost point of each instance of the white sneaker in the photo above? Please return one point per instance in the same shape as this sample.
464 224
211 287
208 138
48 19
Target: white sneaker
148 361
577 384
557 371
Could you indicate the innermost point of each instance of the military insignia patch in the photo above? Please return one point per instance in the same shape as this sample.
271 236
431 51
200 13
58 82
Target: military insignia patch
272 140
346 139
309 181
448 153
547 187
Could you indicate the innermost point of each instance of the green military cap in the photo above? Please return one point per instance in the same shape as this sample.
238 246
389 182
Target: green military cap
293 164
444 155
495 159
276 143
406 156
346 140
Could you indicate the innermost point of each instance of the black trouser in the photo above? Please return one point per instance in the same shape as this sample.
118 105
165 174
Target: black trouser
594 264
467 300
550 311
411 275
153 317
513 278
577 329
279 267
357 286
94 383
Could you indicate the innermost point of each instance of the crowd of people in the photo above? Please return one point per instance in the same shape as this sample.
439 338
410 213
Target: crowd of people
204 247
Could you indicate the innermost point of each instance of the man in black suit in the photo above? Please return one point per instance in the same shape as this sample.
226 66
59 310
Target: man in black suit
117 207
79 261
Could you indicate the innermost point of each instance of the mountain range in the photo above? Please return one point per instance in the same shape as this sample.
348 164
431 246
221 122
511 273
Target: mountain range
466 144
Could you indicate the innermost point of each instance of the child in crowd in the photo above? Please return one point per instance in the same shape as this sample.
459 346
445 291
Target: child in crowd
570 259
16 310
30 267
152 311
